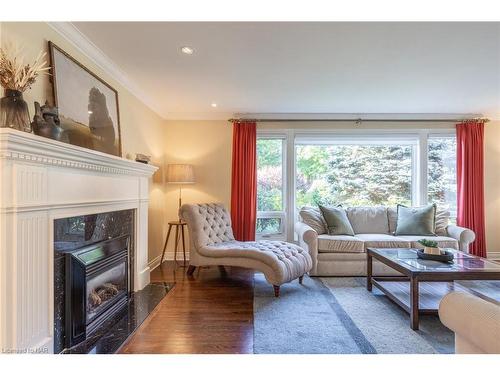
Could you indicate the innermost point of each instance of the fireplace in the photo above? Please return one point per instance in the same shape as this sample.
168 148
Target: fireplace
97 286
43 182
93 268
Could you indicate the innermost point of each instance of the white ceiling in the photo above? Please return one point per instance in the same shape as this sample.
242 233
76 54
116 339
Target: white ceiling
307 67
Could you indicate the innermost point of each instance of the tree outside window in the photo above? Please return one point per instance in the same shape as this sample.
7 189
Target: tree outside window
269 185
364 174
442 173
353 175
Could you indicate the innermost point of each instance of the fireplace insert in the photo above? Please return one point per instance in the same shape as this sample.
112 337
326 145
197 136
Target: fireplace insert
97 286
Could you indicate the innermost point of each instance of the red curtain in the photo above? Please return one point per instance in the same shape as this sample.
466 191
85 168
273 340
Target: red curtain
470 182
244 180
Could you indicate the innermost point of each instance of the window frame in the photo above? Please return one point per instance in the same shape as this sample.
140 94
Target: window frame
282 234
291 137
436 135
367 139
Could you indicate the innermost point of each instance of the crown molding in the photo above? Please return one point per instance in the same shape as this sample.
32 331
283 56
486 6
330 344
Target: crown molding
73 35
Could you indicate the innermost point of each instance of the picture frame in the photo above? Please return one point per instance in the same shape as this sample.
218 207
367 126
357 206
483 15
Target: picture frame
88 106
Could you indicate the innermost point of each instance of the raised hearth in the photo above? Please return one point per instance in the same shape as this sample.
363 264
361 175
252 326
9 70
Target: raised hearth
110 338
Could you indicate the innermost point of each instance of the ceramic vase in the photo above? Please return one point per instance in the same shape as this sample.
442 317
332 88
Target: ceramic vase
14 111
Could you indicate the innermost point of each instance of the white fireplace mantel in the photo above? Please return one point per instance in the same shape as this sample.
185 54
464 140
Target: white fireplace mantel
43 180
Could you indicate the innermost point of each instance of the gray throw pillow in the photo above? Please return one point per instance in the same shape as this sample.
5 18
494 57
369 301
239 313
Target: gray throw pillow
417 221
442 221
312 216
337 221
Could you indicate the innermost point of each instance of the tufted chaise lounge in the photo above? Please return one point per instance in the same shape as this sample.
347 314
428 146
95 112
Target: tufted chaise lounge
213 244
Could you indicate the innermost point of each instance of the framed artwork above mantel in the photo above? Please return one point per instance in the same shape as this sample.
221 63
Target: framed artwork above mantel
88 106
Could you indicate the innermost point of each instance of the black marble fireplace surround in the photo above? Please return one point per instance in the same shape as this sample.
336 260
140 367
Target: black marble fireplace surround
77 235
73 234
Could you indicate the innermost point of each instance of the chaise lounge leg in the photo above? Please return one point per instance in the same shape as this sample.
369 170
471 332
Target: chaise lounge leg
276 290
300 279
190 270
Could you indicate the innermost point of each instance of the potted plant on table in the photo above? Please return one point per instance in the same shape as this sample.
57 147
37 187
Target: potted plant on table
430 247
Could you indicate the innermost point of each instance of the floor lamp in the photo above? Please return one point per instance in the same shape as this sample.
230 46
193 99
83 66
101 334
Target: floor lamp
180 174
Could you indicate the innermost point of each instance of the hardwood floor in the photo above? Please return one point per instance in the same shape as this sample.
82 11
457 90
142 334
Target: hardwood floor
209 312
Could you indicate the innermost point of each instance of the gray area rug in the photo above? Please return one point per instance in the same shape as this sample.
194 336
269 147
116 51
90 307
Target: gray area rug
339 316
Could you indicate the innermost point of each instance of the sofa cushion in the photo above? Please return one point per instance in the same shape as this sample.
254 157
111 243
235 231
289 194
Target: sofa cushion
382 240
442 241
340 244
368 219
312 216
337 221
419 221
442 220
392 215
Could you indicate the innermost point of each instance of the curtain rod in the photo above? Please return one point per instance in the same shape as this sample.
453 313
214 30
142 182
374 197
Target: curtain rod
356 121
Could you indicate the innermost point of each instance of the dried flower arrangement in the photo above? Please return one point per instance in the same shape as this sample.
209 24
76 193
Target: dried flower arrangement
15 75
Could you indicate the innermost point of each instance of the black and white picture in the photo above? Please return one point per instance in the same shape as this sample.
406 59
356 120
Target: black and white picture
88 106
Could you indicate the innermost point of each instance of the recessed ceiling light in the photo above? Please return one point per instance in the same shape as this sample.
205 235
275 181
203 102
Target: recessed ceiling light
187 50
214 105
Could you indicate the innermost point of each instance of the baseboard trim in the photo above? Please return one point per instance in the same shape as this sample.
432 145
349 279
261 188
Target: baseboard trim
142 279
154 263
495 255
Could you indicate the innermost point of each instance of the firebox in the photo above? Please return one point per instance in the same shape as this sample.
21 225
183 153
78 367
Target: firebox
97 286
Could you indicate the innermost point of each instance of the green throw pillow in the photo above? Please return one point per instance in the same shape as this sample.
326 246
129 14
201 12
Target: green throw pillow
337 221
417 221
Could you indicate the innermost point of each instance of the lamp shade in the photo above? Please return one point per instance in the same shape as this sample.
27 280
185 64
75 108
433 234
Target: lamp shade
180 174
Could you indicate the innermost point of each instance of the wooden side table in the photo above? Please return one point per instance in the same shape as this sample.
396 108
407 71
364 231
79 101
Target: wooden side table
177 225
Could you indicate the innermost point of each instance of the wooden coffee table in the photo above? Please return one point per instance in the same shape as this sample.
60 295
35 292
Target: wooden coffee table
424 283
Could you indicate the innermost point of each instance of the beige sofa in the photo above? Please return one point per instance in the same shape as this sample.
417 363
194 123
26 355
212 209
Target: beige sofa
475 321
373 227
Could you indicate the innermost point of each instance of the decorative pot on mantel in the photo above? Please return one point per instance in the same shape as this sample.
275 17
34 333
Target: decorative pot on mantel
14 111
47 124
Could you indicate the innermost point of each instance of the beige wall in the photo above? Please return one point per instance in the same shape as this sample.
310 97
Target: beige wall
142 130
492 186
207 145
348 125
